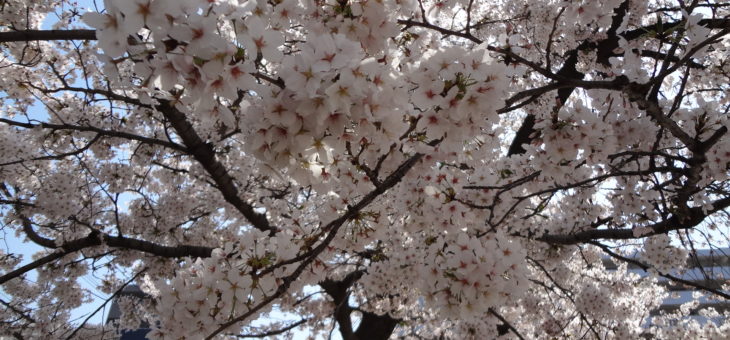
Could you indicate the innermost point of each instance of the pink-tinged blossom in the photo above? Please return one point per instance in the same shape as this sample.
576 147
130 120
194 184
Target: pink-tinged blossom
299 73
463 169
428 94
199 34
112 31
257 38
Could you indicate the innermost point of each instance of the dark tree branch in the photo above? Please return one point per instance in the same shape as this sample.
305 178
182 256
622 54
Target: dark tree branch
447 32
526 132
605 50
17 311
637 93
372 326
339 292
274 332
33 265
506 323
96 238
522 136
645 267
57 156
332 228
33 35
204 153
86 34
693 217
16 203
33 236
152 248
99 131
376 327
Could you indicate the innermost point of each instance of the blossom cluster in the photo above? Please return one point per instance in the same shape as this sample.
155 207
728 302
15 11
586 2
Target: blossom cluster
457 167
659 253
458 93
471 275
208 292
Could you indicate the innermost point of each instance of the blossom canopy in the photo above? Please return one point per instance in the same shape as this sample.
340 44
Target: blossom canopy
382 168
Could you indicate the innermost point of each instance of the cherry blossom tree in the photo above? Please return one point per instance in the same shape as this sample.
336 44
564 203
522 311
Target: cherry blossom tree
391 168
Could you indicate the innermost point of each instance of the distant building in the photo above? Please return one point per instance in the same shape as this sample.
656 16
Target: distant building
707 267
115 314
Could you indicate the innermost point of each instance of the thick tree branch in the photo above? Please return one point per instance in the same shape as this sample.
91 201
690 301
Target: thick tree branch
506 323
194 145
331 228
372 326
33 35
376 327
637 93
33 265
693 217
99 131
156 249
96 238
339 292
204 153
605 50
526 132
33 236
